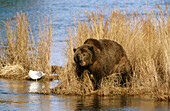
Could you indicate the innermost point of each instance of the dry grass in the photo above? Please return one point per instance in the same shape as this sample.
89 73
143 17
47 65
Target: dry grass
146 40
26 50
12 71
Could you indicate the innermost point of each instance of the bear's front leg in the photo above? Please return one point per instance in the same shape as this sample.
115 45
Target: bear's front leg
98 75
98 83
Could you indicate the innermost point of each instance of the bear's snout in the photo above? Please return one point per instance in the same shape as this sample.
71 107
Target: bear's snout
81 61
79 58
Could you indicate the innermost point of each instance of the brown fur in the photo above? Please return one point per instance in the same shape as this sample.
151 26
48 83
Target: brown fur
101 58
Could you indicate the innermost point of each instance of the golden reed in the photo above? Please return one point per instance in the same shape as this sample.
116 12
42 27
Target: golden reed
146 40
26 50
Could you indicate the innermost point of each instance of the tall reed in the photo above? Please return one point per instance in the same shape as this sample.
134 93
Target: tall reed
146 40
25 48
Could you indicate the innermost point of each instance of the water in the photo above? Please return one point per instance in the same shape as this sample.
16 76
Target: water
18 95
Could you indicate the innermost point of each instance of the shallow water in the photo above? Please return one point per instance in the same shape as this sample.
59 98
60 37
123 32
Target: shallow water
18 95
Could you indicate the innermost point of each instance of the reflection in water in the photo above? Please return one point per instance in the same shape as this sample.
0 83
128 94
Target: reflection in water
114 103
15 95
36 86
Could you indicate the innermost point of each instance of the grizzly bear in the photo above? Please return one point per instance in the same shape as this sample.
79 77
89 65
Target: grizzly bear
102 58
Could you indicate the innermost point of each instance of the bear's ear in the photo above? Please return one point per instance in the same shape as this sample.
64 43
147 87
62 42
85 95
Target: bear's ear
91 48
74 49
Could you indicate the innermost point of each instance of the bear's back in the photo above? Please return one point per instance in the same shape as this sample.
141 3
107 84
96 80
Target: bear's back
107 47
112 47
110 52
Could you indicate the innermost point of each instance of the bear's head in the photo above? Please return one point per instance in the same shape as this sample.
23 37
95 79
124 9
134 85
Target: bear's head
84 55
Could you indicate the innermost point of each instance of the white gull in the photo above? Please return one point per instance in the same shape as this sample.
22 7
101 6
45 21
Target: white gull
36 74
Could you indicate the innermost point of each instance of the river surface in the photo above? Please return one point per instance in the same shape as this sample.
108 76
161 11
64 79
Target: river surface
19 95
